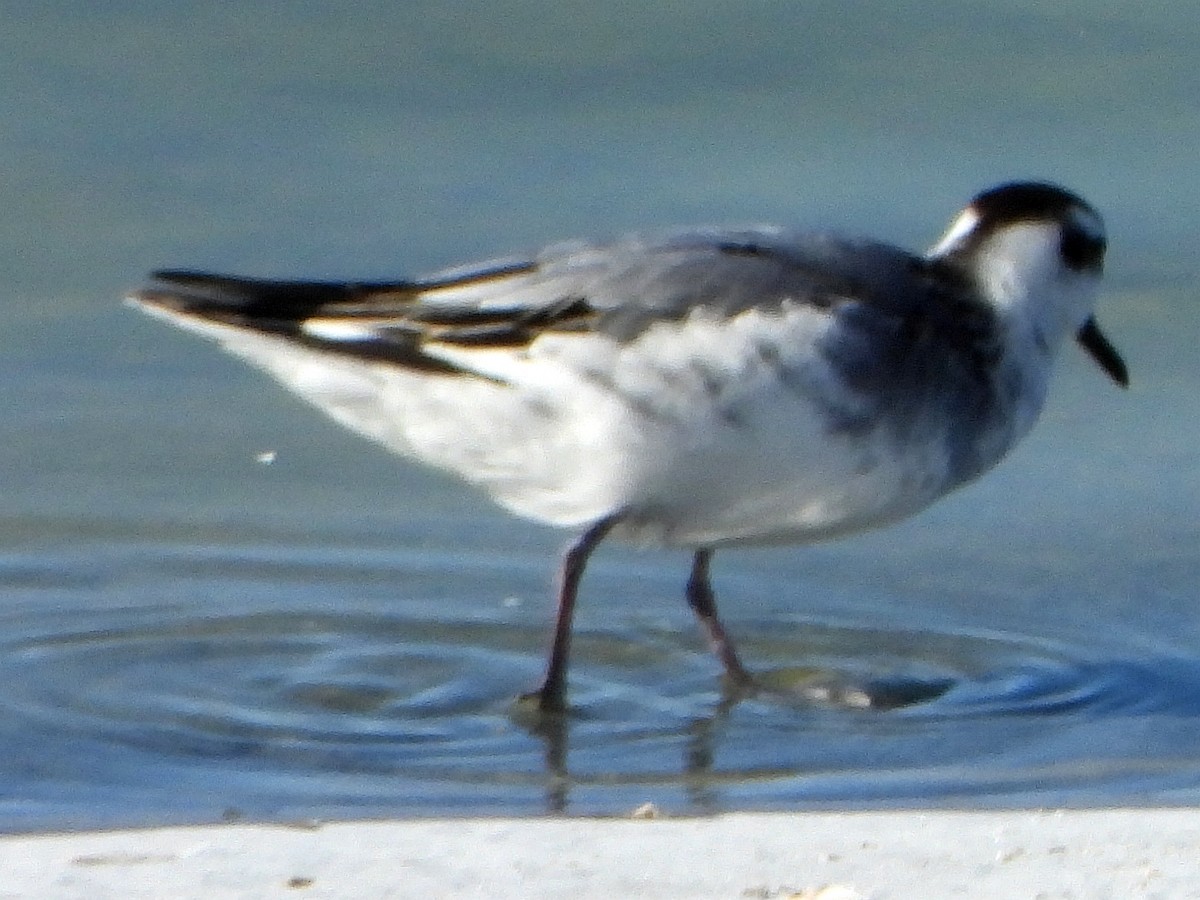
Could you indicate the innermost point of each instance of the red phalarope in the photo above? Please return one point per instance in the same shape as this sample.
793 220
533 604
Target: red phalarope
699 389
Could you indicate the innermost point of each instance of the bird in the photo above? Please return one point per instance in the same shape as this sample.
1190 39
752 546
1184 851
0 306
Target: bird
699 389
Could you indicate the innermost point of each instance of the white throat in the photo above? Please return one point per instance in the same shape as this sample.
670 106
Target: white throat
1020 271
1040 302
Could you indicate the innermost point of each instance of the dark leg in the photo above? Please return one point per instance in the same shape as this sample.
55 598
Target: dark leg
551 696
702 601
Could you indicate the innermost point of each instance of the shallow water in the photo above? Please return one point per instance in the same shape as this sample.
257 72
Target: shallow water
293 682
194 629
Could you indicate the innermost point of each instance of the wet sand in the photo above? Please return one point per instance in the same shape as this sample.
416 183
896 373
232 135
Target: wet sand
832 856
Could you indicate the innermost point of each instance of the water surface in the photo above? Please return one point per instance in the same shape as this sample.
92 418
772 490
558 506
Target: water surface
191 633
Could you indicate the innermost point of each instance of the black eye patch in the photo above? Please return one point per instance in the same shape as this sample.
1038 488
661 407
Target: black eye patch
1081 249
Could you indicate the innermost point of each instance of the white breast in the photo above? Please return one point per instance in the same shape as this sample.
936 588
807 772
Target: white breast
704 431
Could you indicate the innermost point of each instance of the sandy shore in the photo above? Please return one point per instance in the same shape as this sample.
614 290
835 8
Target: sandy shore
834 856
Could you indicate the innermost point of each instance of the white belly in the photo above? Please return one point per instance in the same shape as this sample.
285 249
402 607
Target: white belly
702 432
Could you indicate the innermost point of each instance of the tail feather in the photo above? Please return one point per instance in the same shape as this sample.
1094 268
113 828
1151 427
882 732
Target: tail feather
257 302
362 320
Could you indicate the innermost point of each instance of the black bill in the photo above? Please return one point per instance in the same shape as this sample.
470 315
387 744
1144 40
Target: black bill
1092 339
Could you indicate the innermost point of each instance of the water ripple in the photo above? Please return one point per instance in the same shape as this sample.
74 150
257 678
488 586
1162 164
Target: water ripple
361 693
182 685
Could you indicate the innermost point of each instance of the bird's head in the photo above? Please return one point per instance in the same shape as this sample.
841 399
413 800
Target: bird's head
1036 251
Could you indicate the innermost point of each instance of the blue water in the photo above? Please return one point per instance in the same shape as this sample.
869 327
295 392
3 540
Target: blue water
192 634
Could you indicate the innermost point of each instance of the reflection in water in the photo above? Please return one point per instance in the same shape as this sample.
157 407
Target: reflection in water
553 729
361 714
703 733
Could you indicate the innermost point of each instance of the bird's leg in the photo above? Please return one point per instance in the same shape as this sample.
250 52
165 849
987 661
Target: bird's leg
551 696
703 602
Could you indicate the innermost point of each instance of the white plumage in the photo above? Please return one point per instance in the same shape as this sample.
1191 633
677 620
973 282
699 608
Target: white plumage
698 390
